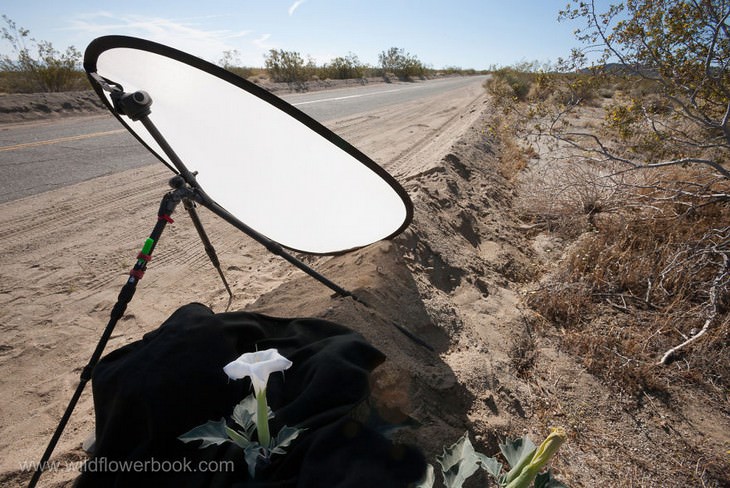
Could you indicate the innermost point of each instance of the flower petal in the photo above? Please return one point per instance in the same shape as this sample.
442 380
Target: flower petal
237 370
258 366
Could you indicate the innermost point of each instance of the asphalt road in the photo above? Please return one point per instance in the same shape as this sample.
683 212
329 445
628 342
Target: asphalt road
42 156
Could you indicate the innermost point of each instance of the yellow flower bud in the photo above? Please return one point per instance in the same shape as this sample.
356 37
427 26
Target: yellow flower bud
542 456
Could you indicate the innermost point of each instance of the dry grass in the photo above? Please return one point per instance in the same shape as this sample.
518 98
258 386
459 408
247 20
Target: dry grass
641 265
647 267
19 82
642 282
514 155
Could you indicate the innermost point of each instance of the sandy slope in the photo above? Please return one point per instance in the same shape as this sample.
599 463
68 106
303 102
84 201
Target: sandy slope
455 278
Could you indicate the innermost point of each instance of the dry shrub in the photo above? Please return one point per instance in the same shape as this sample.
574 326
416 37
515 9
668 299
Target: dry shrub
567 195
511 84
645 279
23 82
565 305
513 158
523 356
578 89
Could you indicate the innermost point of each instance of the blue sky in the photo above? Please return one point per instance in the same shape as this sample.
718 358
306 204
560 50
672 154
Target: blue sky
466 33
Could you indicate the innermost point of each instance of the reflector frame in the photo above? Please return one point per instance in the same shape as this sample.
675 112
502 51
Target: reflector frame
270 165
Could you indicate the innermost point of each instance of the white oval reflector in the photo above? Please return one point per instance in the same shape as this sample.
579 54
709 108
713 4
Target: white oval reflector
270 165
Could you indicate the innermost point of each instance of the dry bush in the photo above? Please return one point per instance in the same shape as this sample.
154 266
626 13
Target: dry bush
567 196
513 155
500 90
575 89
32 65
647 278
23 82
649 271
510 84
528 84
246 72
565 305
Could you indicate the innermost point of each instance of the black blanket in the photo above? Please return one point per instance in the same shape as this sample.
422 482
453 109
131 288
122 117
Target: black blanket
148 393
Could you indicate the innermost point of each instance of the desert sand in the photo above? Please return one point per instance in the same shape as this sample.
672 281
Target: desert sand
455 278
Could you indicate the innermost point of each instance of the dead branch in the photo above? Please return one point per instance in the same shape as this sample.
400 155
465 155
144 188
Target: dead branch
674 350
718 283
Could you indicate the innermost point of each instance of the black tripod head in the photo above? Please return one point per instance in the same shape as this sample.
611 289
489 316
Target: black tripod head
134 105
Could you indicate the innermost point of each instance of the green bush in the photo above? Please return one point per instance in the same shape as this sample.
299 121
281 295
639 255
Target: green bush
404 65
290 67
519 82
343 68
287 66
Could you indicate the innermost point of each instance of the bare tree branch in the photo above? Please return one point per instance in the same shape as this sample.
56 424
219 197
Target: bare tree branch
718 282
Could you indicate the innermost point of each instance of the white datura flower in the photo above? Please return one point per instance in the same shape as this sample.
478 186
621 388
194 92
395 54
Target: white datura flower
258 366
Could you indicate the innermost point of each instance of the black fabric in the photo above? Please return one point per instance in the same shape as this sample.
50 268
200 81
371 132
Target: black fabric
149 392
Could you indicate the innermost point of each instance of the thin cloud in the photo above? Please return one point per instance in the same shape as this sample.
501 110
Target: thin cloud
295 6
261 43
186 35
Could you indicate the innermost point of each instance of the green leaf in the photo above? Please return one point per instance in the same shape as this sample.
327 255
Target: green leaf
519 453
490 465
240 439
458 462
429 478
284 438
515 450
211 433
252 454
546 480
244 414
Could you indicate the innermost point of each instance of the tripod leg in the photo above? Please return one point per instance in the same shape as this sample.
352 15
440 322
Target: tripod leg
209 249
167 206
